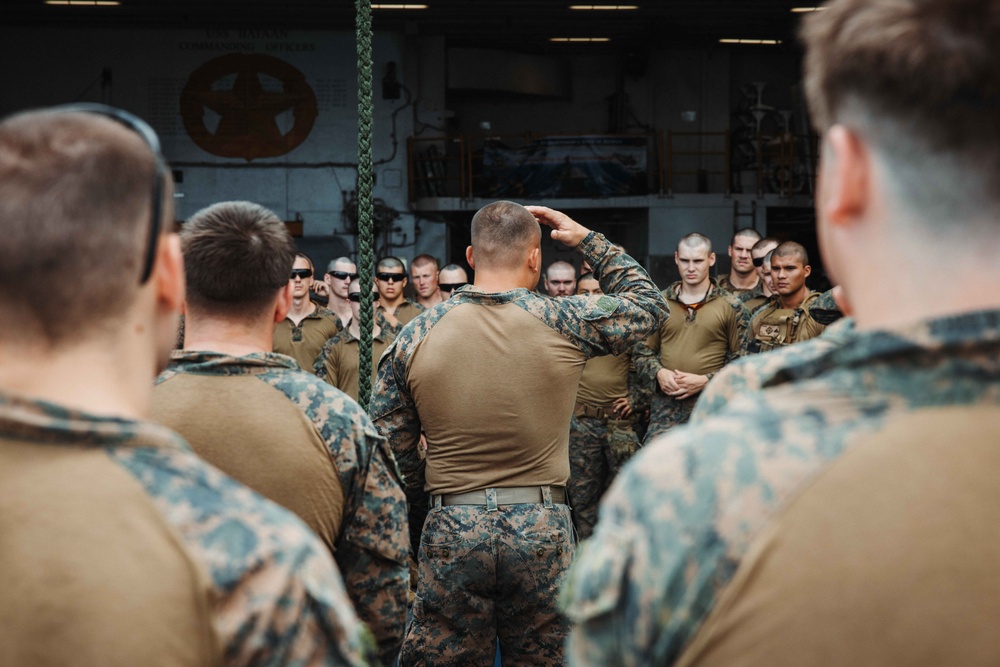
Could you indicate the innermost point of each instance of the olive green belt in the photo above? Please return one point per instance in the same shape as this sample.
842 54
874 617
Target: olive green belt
508 495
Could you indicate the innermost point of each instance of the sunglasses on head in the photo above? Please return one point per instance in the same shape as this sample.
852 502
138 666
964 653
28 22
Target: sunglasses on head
301 273
390 276
149 137
356 297
450 287
342 275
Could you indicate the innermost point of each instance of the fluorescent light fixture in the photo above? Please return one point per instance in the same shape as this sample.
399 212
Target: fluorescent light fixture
580 39
406 6
84 3
806 10
767 42
601 8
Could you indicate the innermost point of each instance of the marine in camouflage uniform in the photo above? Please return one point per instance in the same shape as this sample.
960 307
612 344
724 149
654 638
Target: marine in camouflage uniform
824 308
263 582
773 326
337 363
754 372
693 515
304 340
497 437
700 341
405 312
601 439
367 532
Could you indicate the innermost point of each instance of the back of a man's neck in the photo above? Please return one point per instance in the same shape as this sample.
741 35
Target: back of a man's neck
103 379
235 339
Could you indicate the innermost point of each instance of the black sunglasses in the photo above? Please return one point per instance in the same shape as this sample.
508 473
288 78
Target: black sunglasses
759 261
356 296
140 127
450 287
301 273
342 275
390 276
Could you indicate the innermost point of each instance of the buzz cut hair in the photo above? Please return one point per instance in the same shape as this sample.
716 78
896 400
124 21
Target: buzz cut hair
695 240
423 260
332 265
237 258
560 264
503 233
74 200
763 243
792 249
302 255
390 262
746 231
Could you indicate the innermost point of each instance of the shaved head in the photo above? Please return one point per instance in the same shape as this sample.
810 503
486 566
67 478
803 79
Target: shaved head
503 233
560 279
747 232
792 249
695 240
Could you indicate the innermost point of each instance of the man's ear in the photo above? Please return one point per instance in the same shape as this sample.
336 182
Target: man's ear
807 270
535 261
846 176
469 258
168 272
283 303
711 259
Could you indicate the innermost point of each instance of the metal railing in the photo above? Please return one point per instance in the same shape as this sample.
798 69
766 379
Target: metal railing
677 162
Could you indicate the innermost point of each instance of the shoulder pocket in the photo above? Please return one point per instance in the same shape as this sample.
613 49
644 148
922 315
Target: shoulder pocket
600 308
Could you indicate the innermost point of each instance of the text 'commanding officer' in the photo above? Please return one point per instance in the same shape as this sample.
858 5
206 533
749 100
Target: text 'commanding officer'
491 376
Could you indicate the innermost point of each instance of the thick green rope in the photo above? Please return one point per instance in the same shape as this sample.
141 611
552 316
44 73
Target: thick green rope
366 259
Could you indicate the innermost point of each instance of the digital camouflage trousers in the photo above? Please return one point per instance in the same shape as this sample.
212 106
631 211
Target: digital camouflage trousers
487 573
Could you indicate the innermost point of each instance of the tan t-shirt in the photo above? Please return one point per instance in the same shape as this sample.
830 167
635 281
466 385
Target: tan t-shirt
303 342
91 573
888 557
604 380
487 444
338 361
699 341
282 457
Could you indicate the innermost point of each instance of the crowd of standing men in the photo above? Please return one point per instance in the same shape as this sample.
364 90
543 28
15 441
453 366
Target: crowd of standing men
793 486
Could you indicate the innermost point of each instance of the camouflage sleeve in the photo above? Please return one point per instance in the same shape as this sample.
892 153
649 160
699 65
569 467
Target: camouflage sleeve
738 330
395 417
373 550
322 366
630 309
824 309
280 600
643 583
371 546
384 325
750 344
646 357
730 382
640 392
